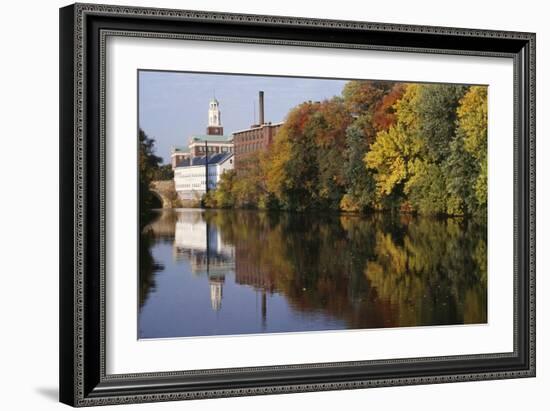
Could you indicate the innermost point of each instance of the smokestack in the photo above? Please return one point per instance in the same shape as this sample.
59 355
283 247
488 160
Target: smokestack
261 107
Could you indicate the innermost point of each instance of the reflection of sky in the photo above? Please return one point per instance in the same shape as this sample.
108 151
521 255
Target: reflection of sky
180 306
173 106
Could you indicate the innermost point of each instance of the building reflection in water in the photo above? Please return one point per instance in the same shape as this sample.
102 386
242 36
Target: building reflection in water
200 243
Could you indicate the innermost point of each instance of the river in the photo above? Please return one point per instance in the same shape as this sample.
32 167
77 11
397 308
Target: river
228 272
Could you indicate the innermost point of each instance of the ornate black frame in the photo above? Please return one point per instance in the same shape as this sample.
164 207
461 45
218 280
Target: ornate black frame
83 30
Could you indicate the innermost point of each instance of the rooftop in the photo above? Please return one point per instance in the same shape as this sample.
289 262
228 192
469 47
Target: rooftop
215 139
201 161
258 126
180 149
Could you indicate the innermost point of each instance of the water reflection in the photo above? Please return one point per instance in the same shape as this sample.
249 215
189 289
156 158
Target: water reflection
220 272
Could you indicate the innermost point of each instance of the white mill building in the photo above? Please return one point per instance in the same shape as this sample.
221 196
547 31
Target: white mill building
190 175
208 154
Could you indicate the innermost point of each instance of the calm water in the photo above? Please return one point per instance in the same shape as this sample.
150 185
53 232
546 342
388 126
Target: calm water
220 272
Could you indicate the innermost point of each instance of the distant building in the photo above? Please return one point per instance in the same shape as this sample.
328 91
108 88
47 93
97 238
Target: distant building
214 139
256 138
216 145
178 155
190 174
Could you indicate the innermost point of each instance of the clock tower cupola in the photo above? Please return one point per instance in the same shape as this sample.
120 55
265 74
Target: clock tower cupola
214 119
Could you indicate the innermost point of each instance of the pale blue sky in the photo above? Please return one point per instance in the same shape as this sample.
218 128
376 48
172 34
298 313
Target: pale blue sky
174 105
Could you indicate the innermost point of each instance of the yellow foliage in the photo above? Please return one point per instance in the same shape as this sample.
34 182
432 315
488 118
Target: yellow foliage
472 119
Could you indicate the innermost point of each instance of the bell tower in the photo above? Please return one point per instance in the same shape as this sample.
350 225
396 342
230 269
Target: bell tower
214 119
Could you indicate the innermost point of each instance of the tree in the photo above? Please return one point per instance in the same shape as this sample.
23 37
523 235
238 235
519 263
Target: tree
472 124
426 187
224 194
148 168
164 172
461 171
302 169
364 99
436 108
394 149
249 184
329 127
360 183
466 166
304 166
384 114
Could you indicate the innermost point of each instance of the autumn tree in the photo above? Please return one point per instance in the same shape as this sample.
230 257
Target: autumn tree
224 194
472 125
304 168
394 150
364 99
249 185
384 114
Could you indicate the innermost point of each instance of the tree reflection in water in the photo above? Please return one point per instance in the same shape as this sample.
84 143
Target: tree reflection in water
347 270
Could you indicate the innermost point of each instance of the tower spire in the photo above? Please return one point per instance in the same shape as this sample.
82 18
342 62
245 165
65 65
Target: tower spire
214 118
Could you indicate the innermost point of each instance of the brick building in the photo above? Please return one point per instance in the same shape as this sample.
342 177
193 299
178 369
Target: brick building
256 138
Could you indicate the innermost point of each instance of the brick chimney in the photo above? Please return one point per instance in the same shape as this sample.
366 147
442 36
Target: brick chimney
261 98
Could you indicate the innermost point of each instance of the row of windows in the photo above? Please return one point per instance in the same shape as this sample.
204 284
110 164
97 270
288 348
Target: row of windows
212 171
202 149
195 185
248 148
248 137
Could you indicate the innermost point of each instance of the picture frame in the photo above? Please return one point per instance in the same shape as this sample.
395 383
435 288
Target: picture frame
84 29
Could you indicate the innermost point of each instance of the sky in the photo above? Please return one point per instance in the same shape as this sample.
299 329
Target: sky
174 105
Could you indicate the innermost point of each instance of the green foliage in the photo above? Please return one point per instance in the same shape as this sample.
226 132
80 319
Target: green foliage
301 188
148 164
472 124
460 172
360 194
224 194
436 109
163 172
426 189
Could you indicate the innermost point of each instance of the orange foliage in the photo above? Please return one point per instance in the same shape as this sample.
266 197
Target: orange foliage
384 112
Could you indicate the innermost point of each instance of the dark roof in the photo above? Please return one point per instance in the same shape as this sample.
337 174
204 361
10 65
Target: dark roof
200 161
183 163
